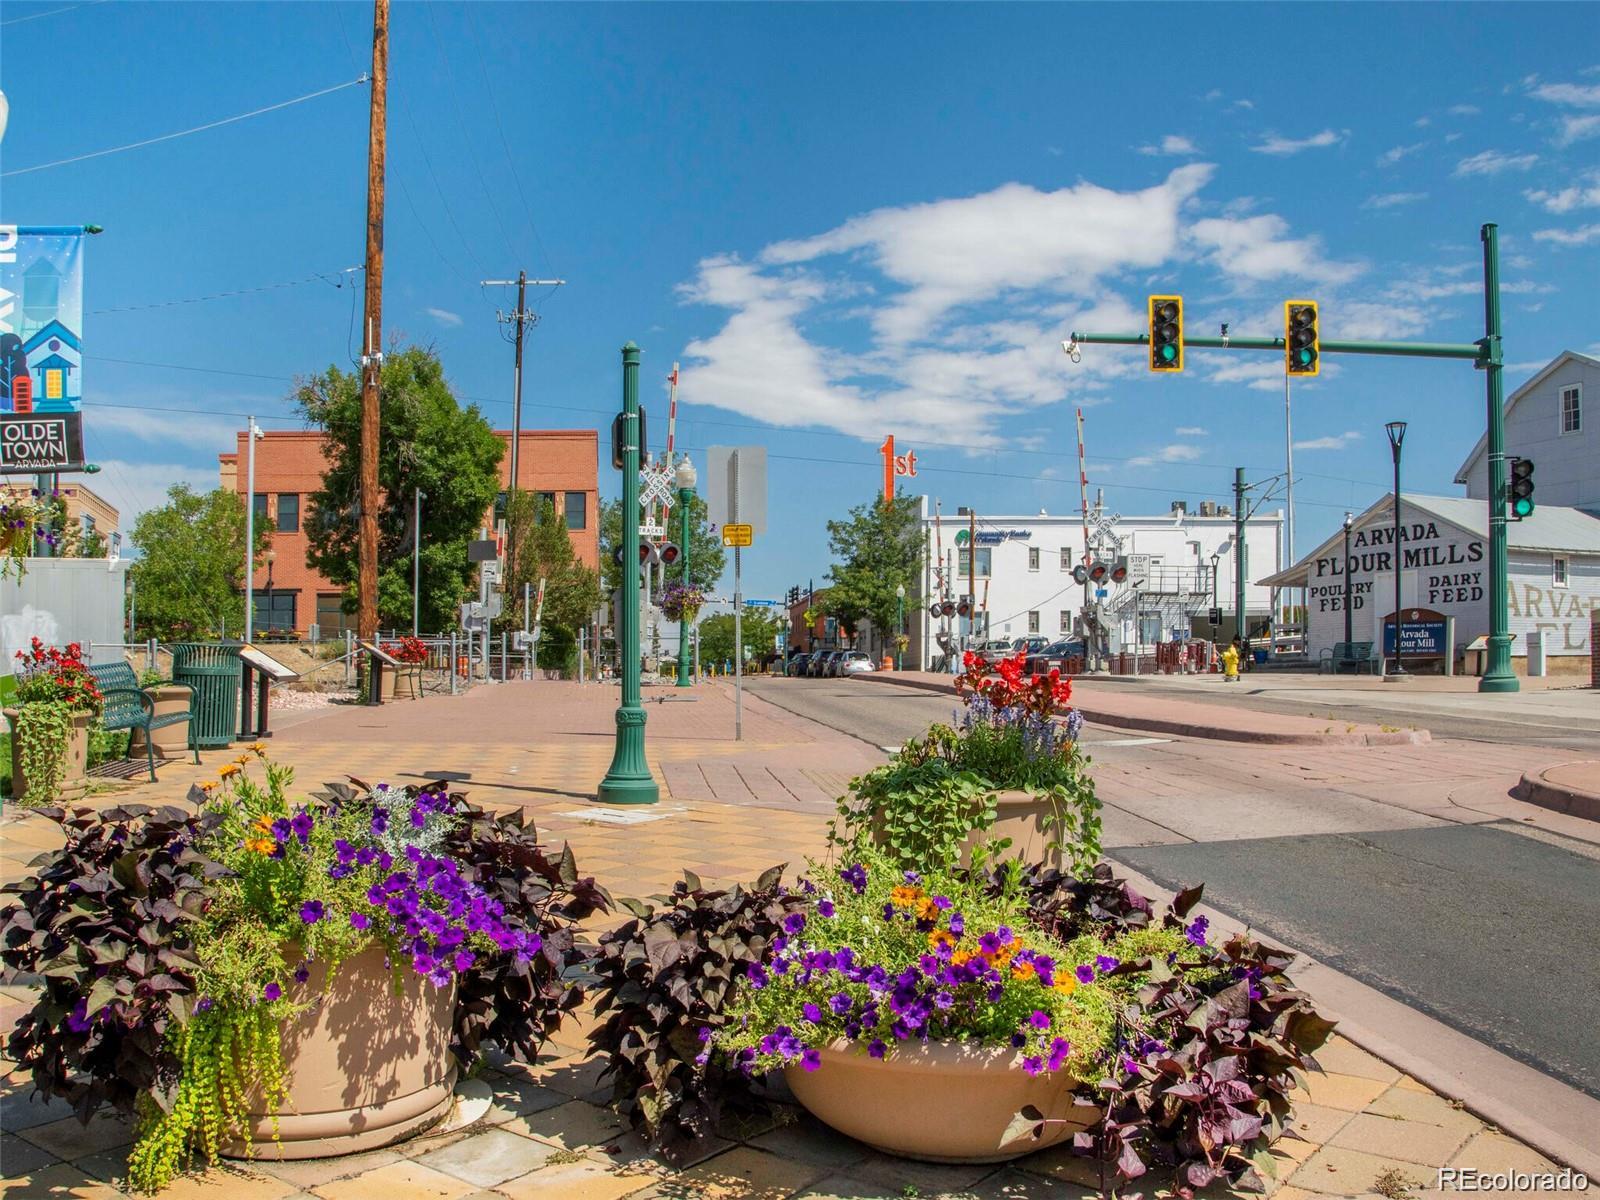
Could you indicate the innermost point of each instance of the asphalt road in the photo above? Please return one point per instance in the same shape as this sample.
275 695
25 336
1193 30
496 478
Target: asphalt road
1489 928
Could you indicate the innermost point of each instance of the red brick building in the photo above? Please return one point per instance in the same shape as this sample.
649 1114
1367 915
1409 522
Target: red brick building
563 464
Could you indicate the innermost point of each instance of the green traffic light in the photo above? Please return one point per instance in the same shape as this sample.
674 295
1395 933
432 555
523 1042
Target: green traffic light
1522 508
1169 352
1304 357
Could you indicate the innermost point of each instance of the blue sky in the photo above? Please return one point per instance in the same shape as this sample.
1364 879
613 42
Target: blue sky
844 221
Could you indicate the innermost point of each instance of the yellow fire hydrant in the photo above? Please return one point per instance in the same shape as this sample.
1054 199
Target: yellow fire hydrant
1230 664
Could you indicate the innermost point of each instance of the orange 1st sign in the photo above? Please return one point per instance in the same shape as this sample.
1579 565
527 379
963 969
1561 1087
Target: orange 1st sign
895 464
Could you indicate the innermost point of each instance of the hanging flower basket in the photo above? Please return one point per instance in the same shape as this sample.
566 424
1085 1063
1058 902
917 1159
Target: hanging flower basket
681 601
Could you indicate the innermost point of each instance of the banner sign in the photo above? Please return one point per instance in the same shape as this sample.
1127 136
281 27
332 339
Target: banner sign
41 351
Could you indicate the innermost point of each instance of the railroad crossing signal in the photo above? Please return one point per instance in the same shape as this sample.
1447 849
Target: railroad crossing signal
1302 343
1166 333
1521 488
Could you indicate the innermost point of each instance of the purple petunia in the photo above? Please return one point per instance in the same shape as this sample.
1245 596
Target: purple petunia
794 923
756 974
1033 1064
1039 1019
1196 932
301 827
1105 964
811 1059
876 1048
204 1004
811 1013
1084 972
958 924
78 1019
840 1003
311 911
271 992
825 908
856 877
302 973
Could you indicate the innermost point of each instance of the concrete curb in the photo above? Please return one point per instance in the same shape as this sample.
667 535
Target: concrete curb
1567 798
1403 737
1555 1119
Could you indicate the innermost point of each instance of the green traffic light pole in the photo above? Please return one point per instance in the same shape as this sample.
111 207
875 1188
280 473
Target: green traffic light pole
1487 356
628 781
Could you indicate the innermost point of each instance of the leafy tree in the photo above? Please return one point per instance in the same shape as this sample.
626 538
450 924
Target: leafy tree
538 545
430 442
876 548
706 555
758 630
189 579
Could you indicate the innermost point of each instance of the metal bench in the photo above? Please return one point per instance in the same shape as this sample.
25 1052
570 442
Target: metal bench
1348 655
129 706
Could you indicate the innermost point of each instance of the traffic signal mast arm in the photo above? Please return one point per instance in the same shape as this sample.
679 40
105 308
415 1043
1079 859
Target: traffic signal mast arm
1476 351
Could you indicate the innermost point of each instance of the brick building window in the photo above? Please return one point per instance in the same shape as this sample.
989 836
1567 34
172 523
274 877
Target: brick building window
261 508
577 510
331 618
274 612
288 512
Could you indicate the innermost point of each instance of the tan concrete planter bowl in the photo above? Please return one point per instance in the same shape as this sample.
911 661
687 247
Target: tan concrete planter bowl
171 741
1025 819
366 1067
939 1101
407 682
74 775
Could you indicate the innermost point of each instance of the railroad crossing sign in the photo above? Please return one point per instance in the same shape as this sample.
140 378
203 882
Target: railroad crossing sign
647 530
737 535
655 487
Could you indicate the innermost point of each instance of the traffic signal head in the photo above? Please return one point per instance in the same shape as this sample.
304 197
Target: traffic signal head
1080 574
947 608
1520 489
1119 571
1166 333
1098 572
1301 340
965 607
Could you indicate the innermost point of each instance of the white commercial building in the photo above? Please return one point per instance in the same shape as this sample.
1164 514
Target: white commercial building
1021 576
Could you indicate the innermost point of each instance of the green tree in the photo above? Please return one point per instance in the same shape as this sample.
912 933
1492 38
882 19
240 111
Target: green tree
876 548
429 441
538 546
189 578
706 555
758 630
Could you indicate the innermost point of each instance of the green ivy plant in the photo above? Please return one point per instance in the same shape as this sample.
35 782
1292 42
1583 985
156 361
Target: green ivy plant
44 732
919 808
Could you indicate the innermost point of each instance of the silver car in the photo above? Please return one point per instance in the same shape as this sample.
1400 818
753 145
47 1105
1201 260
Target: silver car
855 662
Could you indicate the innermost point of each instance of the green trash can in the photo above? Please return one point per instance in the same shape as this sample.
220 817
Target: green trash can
213 670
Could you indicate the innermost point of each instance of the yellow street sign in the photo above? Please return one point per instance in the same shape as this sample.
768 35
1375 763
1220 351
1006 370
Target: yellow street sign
736 535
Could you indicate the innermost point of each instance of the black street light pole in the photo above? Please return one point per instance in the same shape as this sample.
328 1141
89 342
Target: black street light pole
1348 521
1397 435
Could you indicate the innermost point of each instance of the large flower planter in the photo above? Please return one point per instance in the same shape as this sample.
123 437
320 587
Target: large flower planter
407 682
1026 820
74 776
171 741
367 1064
937 1101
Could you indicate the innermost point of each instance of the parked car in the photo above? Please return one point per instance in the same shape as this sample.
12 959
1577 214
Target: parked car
814 666
855 662
1032 643
996 648
794 664
1056 656
830 665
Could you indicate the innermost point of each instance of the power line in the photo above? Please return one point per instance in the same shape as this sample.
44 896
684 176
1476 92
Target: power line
321 277
53 12
167 137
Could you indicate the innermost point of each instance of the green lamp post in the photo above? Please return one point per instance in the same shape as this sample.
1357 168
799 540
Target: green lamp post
629 781
686 480
899 625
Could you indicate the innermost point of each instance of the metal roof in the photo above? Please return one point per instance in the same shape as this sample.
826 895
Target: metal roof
1550 528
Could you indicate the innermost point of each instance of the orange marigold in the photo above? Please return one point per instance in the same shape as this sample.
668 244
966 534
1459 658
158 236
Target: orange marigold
1066 985
905 896
260 845
927 910
940 937
226 770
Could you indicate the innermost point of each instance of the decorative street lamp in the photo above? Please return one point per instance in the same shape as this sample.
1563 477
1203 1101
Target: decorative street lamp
686 479
269 556
1348 522
628 780
1397 435
899 625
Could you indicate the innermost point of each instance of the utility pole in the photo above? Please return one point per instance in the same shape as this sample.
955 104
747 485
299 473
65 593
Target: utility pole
519 320
1090 642
416 560
1238 553
1497 675
251 434
972 576
372 333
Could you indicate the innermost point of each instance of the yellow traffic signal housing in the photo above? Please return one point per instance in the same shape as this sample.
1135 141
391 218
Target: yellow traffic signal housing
1302 343
1166 333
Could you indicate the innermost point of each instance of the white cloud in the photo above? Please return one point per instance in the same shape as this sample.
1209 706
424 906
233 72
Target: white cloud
444 316
1581 236
1189 431
1393 199
203 432
1281 145
1493 162
135 488
1395 153
1584 194
1257 374
1578 129
1572 94
1172 144
1463 110
950 253
1337 441
1177 452
1244 104
1256 249
1358 320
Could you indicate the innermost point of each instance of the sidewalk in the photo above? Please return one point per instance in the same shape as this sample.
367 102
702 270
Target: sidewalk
1572 787
729 809
1130 708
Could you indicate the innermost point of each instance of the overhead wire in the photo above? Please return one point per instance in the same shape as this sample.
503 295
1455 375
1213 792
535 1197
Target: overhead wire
51 13
318 277
167 137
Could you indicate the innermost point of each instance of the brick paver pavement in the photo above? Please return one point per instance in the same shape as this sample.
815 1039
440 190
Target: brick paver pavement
729 810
